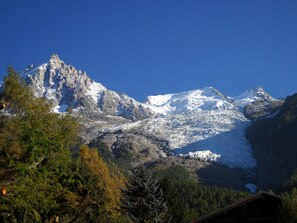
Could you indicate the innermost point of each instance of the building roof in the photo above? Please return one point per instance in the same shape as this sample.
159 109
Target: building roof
243 203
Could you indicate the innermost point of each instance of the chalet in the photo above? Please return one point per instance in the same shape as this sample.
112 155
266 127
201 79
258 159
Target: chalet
259 208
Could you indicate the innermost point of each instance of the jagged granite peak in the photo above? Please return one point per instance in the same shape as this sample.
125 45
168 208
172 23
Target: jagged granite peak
55 57
261 93
66 87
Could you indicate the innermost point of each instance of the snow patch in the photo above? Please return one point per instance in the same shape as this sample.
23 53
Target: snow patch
96 90
205 155
42 67
50 94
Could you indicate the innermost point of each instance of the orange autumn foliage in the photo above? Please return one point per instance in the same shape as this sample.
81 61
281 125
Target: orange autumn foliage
109 182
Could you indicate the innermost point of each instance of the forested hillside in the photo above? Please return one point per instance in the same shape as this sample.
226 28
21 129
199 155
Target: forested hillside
190 200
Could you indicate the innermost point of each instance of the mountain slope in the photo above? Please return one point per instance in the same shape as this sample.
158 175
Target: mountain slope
274 144
67 87
202 124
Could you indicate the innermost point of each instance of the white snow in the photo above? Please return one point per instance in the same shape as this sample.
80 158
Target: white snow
50 94
42 67
205 155
160 104
250 96
206 98
203 124
222 132
96 90
231 146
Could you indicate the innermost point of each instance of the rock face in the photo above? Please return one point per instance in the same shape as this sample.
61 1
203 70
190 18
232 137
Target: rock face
68 88
262 109
274 142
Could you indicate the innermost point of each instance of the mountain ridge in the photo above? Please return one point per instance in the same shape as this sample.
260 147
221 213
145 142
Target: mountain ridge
82 81
68 87
201 124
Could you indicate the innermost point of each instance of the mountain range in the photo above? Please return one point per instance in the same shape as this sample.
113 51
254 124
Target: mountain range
202 124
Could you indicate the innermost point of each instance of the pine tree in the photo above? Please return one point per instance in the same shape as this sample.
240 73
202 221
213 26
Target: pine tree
143 200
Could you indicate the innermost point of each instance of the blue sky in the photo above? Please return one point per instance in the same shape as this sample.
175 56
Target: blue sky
155 47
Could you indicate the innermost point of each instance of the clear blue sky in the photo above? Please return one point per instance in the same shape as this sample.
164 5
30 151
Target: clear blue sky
154 47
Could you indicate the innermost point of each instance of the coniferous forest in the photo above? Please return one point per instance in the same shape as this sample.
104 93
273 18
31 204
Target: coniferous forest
47 175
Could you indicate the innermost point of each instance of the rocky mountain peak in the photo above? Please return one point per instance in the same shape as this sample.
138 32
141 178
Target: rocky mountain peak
251 95
54 80
214 91
55 58
66 86
261 93
55 62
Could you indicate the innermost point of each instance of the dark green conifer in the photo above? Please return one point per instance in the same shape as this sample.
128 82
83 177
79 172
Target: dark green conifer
143 200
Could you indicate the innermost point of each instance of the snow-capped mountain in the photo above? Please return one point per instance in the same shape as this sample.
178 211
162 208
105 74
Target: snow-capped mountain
202 124
204 99
68 87
252 95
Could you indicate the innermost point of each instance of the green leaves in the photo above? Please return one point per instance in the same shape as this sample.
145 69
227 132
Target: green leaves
34 152
33 129
43 180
